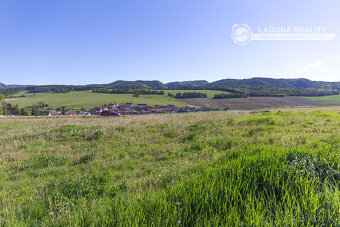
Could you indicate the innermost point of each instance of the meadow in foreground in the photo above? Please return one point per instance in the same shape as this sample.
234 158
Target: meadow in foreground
212 169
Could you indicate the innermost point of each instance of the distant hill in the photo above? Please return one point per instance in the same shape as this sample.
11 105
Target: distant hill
258 86
18 85
2 86
187 84
139 84
233 88
128 84
154 84
268 82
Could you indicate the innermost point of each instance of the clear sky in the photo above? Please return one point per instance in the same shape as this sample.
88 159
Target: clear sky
100 41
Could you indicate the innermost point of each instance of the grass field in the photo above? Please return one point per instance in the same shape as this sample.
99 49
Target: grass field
231 168
334 99
76 100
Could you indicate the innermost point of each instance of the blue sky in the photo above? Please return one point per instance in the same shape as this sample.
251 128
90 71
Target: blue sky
100 41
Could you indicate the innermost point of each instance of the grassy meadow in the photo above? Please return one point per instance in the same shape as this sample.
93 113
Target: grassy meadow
334 99
77 100
258 168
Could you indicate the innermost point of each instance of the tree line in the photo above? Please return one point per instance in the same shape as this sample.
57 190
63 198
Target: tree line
34 110
128 91
230 95
252 91
188 95
7 92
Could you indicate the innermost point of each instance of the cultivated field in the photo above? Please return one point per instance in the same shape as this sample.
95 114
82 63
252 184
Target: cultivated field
253 103
205 169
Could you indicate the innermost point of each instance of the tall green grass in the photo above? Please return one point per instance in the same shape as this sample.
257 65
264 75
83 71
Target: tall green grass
204 169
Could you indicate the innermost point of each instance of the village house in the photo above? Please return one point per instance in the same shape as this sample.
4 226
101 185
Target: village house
51 113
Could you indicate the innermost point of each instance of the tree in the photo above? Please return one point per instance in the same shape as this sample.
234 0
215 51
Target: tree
15 110
24 112
1 98
9 109
35 110
62 109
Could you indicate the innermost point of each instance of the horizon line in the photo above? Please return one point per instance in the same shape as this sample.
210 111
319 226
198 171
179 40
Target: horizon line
247 78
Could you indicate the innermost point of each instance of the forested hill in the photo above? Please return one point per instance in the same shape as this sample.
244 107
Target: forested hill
225 83
127 84
269 82
154 84
187 84
275 87
234 88
139 84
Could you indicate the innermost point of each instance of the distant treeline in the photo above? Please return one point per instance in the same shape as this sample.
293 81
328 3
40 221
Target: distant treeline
279 92
34 110
128 91
254 91
9 109
59 88
11 91
188 95
230 95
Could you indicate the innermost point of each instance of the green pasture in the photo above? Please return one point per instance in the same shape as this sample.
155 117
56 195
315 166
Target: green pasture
330 99
76 100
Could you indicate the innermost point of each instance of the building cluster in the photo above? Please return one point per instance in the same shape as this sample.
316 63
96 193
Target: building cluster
129 109
70 113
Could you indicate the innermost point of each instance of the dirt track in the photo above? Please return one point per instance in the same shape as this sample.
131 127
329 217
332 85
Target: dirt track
255 102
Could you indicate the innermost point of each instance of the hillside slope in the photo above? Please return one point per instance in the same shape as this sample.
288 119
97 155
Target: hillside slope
270 82
139 84
154 84
186 84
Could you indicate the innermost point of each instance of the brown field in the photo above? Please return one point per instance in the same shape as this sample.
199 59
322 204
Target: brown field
256 103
